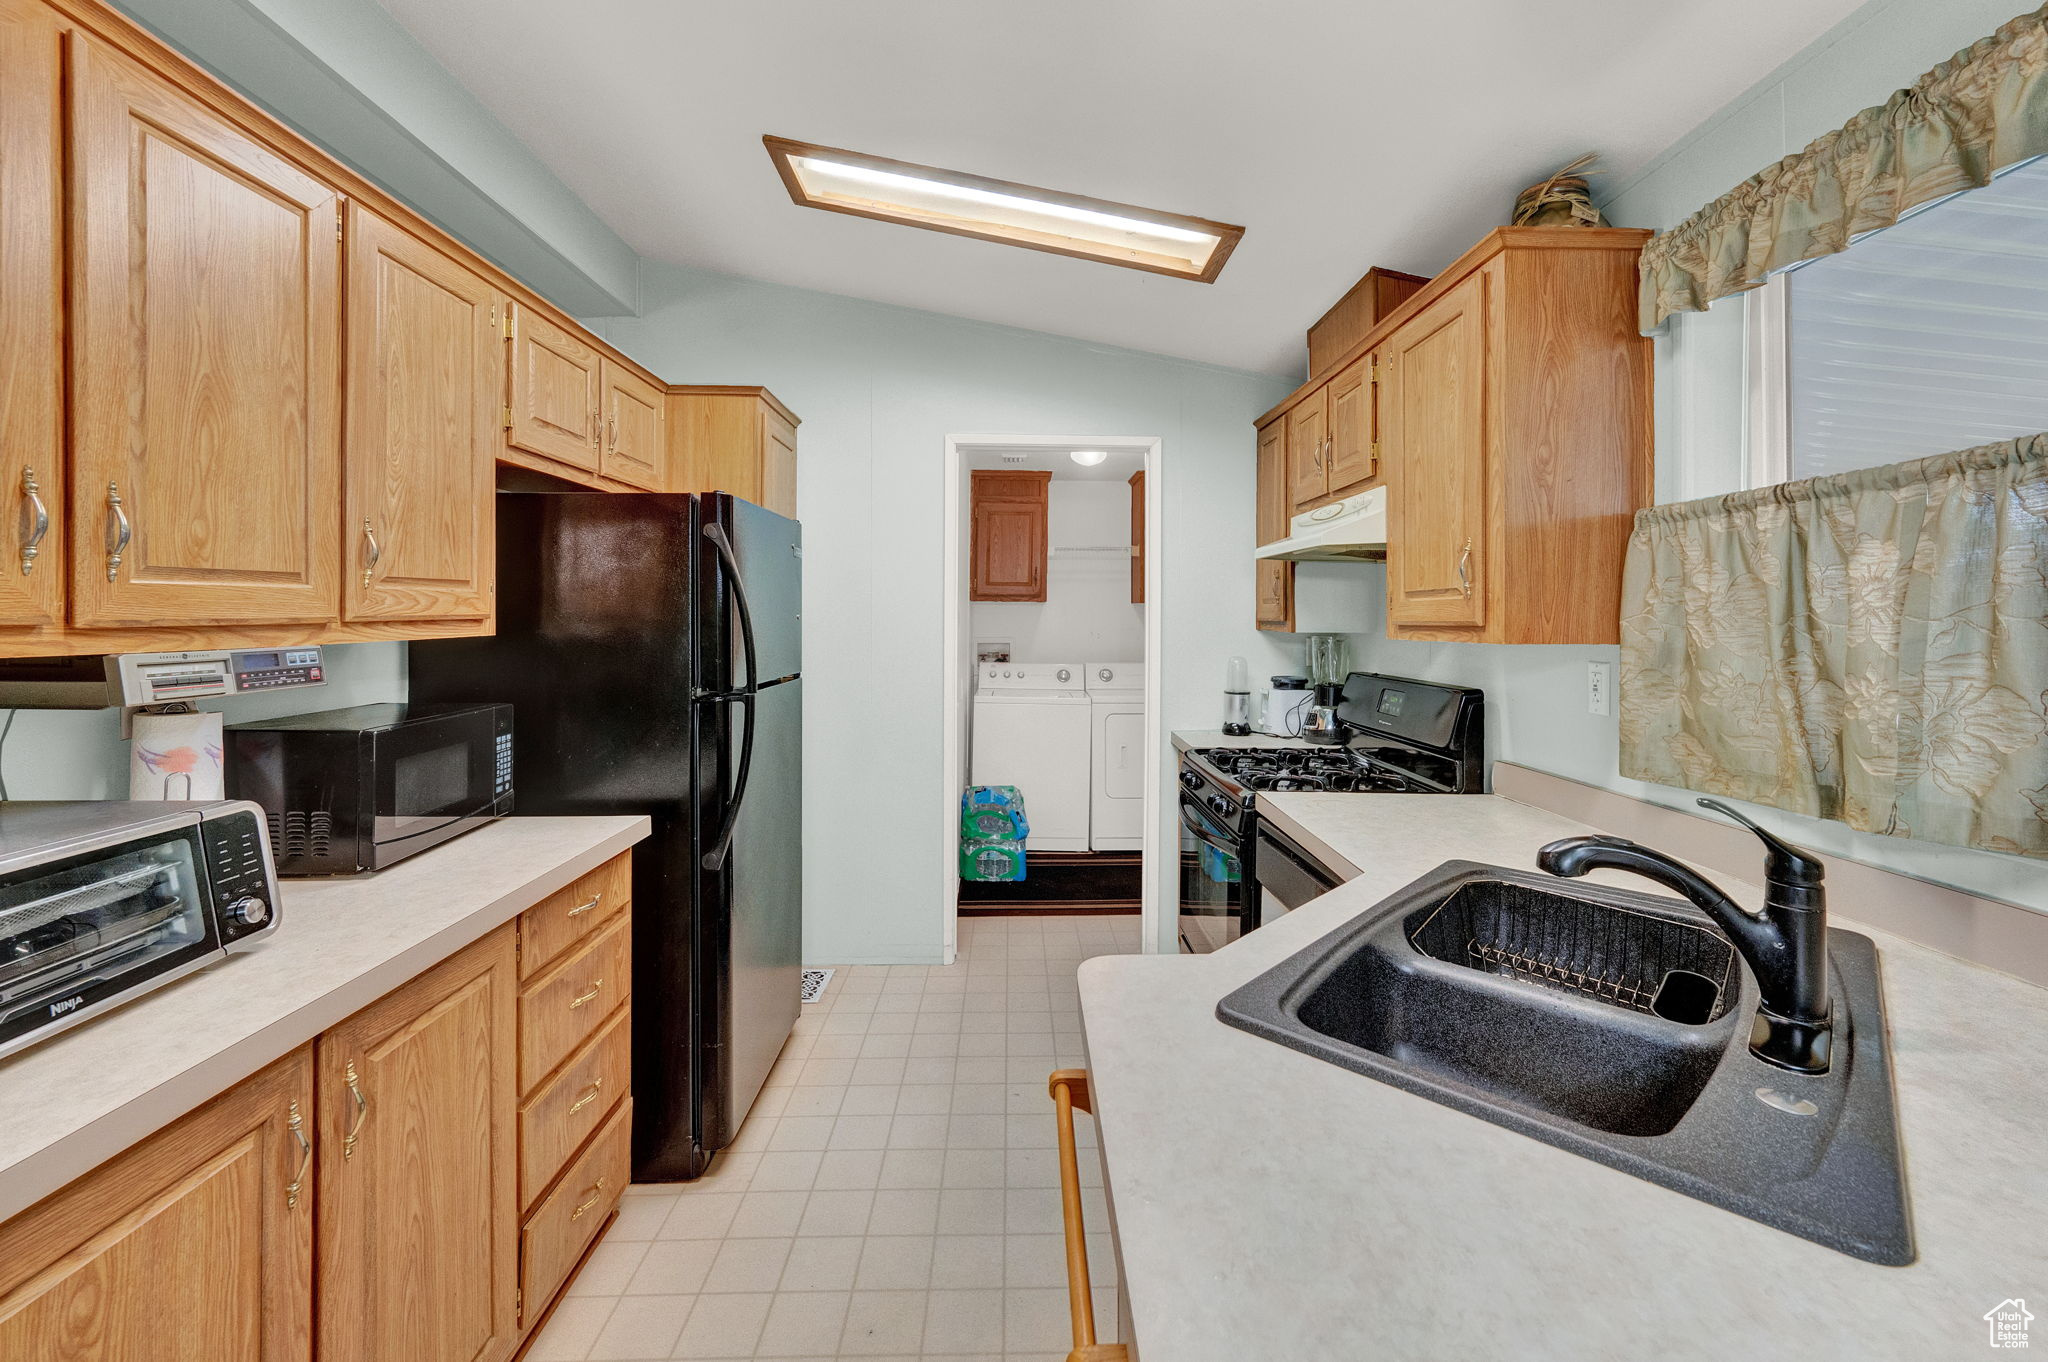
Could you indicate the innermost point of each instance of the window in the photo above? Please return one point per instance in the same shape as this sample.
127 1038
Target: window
1926 337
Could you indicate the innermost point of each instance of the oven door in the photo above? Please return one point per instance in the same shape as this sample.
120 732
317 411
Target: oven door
1215 882
77 933
435 776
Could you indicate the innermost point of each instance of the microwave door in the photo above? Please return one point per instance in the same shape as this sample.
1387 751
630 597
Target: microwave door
432 777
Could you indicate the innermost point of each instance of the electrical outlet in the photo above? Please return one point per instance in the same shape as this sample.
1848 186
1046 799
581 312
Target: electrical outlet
1600 688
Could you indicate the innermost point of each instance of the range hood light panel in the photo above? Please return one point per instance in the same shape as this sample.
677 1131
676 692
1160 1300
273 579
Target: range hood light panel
997 210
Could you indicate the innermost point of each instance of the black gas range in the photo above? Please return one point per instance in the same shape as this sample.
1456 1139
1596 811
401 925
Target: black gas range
1402 736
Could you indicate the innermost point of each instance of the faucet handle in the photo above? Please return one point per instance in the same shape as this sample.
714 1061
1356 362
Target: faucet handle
1785 863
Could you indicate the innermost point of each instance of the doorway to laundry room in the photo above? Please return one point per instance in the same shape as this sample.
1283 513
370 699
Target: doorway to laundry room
1053 746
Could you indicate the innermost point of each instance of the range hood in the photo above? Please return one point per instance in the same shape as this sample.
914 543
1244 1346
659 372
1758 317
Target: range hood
1353 530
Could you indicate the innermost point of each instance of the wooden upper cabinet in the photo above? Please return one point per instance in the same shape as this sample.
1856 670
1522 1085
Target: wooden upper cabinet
1354 443
424 378
418 1168
196 1243
205 366
736 440
1138 537
1008 535
1308 451
635 429
31 318
1435 378
1275 578
557 407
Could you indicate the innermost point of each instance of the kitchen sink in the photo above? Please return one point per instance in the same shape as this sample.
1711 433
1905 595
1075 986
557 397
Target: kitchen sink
1612 1024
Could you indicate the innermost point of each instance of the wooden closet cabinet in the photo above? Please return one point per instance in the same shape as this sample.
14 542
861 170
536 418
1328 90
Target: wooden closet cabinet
736 440
635 429
1007 535
196 1243
1275 578
32 530
556 410
424 375
1137 481
418 1168
1517 443
205 365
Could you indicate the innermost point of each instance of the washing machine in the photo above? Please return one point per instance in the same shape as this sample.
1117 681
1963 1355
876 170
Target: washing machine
1031 730
1116 705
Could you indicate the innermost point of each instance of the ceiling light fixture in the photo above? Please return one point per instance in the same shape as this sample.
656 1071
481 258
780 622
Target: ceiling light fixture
1088 458
953 201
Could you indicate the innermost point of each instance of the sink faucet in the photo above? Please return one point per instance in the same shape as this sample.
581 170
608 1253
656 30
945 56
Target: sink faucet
1786 947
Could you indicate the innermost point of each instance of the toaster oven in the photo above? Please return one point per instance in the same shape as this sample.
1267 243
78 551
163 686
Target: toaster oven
101 901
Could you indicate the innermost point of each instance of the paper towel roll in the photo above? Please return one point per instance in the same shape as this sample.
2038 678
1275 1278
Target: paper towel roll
176 756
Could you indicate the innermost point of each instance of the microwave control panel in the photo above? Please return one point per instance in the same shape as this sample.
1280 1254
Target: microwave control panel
162 678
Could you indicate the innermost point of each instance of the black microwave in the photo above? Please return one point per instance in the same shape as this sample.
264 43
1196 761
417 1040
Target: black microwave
347 790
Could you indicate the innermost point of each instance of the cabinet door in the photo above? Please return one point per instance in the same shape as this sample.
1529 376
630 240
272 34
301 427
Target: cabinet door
196 1243
635 429
418 1173
1308 451
31 319
1138 537
205 376
1354 457
1008 539
555 402
1434 375
423 398
1275 579
778 462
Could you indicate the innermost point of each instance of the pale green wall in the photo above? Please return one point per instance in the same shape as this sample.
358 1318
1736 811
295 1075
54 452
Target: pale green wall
1537 696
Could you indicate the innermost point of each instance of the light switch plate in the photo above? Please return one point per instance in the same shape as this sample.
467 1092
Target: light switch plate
1600 688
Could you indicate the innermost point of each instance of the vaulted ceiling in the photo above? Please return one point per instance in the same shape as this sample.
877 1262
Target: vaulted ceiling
1341 133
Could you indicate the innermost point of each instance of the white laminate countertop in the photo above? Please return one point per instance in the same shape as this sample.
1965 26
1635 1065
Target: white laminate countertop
1270 1205
1184 739
73 1102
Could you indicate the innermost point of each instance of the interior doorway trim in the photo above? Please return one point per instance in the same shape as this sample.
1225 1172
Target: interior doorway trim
958 695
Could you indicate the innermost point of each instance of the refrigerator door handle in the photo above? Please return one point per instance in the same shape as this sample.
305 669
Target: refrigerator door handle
716 534
714 859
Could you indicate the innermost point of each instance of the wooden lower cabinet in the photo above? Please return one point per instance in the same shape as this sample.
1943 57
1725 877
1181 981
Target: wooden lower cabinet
196 1243
418 1168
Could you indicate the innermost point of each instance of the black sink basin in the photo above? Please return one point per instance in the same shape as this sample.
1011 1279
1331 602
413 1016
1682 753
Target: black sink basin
1611 1024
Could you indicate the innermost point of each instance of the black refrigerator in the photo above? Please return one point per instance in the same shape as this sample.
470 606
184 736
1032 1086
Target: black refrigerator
649 645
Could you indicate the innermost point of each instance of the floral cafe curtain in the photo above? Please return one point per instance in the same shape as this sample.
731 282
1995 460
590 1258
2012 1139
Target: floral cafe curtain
1982 110
1870 647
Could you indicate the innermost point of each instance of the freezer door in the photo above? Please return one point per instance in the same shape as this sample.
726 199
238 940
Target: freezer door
758 896
768 551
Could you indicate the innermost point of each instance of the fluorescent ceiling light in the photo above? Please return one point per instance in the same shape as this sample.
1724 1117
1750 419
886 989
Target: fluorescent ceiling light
996 210
1088 458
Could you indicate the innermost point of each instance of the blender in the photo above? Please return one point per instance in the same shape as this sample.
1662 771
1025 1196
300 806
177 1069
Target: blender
1329 664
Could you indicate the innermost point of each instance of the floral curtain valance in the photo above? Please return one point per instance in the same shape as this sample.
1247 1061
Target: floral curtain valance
1982 110
1870 647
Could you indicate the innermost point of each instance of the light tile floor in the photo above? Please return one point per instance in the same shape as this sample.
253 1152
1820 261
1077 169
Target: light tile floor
894 1193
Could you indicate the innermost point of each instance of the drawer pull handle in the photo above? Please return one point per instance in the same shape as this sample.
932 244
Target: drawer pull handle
589 1096
596 1195
355 1090
1069 1089
296 1124
596 987
580 909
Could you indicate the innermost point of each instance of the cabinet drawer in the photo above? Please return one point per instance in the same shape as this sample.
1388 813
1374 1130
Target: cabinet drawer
561 1009
566 916
561 1227
555 1120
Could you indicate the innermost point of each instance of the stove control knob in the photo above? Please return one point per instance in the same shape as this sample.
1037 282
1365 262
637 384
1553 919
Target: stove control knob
248 911
1219 803
1191 780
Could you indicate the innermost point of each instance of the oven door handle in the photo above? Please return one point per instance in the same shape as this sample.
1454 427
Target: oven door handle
1200 828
